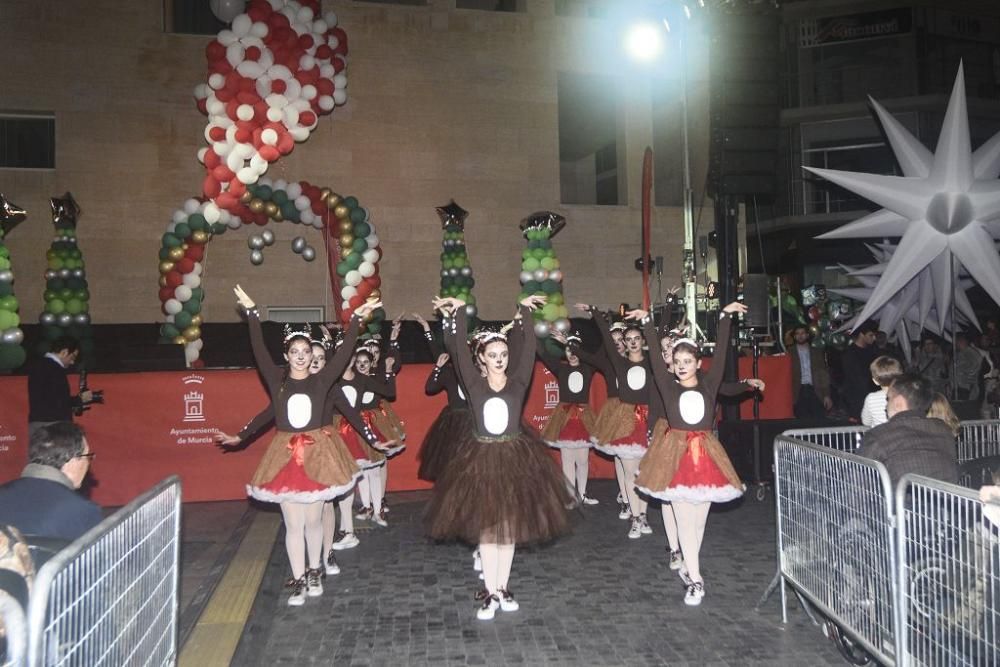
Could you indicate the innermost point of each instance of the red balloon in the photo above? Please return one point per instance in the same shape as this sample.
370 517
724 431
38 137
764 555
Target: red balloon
338 64
269 153
356 301
212 159
184 265
217 134
174 279
215 51
252 53
202 106
285 144
211 187
223 174
237 188
376 280
307 118
195 252
305 42
166 293
364 289
227 201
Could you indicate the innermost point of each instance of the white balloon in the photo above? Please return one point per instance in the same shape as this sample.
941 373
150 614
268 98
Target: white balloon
182 293
179 216
244 112
247 175
269 136
293 89
340 80
294 190
299 134
171 227
227 37
235 54
198 268
274 114
191 206
291 115
191 280
216 81
266 181
330 18
191 354
259 29
367 269
241 22
353 278
345 305
320 26
197 343
301 202
234 161
201 155
234 223
309 92
280 184
250 69
173 306
348 291
169 318
307 62
276 100
211 213
370 255
305 15
372 240
340 96
214 107
307 217
327 71
326 103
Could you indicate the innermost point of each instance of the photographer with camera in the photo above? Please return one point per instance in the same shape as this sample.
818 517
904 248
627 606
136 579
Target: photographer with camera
49 397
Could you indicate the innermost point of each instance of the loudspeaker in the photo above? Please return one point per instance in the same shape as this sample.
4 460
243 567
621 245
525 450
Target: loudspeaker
755 297
153 357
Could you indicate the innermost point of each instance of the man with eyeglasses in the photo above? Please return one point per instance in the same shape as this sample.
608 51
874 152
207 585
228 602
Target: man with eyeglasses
44 501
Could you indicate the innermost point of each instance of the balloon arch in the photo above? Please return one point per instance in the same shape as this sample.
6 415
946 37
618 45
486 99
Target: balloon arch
271 75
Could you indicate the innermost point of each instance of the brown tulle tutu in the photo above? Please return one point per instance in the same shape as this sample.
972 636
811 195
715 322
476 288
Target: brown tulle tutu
388 422
438 447
304 467
502 491
617 420
553 433
689 466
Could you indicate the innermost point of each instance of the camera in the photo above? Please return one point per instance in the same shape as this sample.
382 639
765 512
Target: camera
96 395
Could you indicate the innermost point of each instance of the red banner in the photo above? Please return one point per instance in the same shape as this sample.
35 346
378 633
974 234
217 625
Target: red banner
161 423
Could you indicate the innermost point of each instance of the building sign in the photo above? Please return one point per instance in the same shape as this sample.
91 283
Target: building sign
854 27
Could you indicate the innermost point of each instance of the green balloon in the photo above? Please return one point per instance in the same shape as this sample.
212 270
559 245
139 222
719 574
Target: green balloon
530 264
279 197
6 319
6 288
351 202
218 228
65 294
550 286
263 192
357 215
342 268
192 306
288 211
171 241
531 287
548 263
8 302
359 245
526 254
164 254
56 306
182 230
74 306
168 330
182 320
353 260
198 293
197 222
362 230
11 356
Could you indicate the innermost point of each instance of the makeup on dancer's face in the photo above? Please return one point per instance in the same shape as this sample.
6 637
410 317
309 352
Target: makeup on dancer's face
495 356
572 358
633 340
318 360
619 340
685 364
363 362
666 351
299 354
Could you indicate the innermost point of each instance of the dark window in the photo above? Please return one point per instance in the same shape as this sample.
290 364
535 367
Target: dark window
191 17
492 5
412 3
588 140
28 142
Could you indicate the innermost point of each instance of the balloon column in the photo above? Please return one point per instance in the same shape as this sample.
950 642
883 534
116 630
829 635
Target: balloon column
11 353
825 316
456 270
540 272
66 311
271 75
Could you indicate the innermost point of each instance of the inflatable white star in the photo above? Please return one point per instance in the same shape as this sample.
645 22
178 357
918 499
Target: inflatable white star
946 206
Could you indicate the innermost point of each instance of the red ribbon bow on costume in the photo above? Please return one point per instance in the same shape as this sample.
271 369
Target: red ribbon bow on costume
642 412
693 439
297 446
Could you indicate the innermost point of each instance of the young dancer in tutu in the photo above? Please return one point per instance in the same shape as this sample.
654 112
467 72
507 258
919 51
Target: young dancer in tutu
305 464
502 488
686 464
571 424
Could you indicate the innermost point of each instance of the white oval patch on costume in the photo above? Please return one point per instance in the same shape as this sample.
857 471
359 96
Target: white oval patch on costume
352 395
692 406
367 398
575 382
461 394
300 410
496 415
636 378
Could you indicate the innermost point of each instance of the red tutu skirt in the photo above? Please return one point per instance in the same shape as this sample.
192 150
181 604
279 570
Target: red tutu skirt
688 466
304 467
355 445
373 418
633 420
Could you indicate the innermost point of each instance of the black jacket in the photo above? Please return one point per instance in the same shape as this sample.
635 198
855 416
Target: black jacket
913 443
42 503
49 397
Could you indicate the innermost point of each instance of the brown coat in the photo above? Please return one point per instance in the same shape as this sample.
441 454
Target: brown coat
820 372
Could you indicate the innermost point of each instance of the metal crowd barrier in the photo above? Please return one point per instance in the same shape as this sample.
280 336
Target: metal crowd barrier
14 635
978 439
949 576
110 598
840 438
835 533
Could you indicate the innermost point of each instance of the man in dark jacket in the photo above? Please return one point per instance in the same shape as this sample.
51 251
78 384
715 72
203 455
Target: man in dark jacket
49 396
44 501
810 377
856 363
912 442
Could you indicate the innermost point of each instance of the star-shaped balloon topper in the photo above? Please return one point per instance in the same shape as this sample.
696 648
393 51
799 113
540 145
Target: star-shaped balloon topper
11 215
945 208
65 211
543 220
452 215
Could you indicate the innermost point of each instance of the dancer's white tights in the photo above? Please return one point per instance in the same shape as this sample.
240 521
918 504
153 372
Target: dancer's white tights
347 513
371 486
636 504
576 468
303 533
691 518
670 525
497 561
329 525
620 476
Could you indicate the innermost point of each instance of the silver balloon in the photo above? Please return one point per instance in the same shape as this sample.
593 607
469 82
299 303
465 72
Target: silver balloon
256 257
540 274
47 318
448 243
453 272
562 325
50 274
444 273
309 253
465 271
77 273
81 318
525 276
6 276
255 241
556 275
65 273
298 244
268 237
542 329
12 336
64 319
471 310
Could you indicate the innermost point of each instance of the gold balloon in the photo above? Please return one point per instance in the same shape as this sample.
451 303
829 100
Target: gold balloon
324 193
376 294
340 210
278 216
184 246
271 209
179 340
345 227
163 281
176 253
166 266
333 200
192 333
256 205
199 236
196 320
346 240
246 197
345 252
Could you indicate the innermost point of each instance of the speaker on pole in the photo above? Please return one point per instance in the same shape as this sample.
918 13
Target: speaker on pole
756 299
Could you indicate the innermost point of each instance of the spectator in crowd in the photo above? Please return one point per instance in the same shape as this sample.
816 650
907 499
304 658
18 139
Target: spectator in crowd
930 362
44 501
941 409
885 348
971 366
810 377
911 442
991 335
884 370
856 362
49 396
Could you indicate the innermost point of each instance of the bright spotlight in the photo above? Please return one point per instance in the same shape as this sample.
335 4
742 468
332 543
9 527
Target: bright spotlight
644 42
